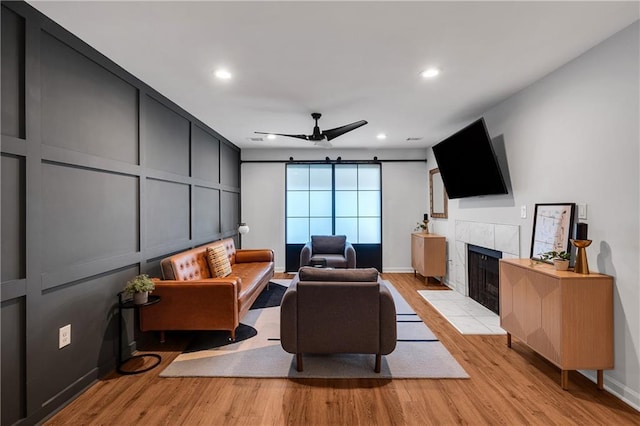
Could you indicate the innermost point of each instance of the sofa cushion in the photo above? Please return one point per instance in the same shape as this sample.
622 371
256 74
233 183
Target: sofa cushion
218 261
328 244
309 273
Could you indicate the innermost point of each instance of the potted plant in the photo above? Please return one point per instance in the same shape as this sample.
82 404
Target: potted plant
422 227
560 259
140 286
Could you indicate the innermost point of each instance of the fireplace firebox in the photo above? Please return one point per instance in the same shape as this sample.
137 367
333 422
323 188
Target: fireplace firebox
484 276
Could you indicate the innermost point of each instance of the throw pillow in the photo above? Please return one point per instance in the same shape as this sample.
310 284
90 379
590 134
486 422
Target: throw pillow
218 261
328 244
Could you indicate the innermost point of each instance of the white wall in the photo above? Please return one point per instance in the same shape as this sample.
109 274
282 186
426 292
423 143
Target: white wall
405 198
574 137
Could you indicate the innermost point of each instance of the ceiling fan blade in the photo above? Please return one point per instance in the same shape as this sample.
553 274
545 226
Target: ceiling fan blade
334 133
305 137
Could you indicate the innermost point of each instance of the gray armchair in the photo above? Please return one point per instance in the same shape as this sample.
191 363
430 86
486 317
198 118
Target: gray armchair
335 249
331 311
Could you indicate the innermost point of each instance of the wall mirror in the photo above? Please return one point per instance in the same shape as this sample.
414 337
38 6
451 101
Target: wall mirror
437 195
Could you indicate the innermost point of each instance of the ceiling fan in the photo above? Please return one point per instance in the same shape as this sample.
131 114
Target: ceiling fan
322 138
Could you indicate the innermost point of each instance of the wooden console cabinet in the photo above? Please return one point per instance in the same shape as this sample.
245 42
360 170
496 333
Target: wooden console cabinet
565 317
429 255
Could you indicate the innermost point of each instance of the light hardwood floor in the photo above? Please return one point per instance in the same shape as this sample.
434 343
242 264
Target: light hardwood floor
507 386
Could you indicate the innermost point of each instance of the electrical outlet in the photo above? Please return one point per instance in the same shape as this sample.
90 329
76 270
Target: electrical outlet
523 211
64 336
582 211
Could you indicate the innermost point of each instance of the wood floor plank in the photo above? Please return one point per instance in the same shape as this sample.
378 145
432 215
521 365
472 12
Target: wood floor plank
507 387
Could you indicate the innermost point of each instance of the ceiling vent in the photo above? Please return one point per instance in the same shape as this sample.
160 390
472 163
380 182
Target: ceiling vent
256 139
413 139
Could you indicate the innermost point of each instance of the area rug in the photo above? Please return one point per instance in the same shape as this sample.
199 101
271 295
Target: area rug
418 353
463 313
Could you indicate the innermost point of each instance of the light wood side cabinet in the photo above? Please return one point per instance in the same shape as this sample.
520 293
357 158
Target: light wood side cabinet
429 255
565 317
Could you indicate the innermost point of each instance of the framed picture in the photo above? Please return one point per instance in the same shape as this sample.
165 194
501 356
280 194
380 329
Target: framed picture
552 225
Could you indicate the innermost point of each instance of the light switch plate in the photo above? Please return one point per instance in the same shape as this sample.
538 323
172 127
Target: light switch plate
582 211
523 211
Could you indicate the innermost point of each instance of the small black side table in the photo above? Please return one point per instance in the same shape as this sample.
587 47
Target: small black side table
128 304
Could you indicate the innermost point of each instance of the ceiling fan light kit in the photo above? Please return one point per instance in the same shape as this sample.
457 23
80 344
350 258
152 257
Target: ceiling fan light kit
322 138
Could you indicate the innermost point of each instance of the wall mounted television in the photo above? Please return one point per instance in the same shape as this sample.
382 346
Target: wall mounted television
468 163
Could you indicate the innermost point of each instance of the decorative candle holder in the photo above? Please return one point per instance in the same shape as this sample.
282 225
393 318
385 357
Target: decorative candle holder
581 267
426 226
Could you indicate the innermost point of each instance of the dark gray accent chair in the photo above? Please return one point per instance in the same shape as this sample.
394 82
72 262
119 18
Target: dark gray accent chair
335 249
332 311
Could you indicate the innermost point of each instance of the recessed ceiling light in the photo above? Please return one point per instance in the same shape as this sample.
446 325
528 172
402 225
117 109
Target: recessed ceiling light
430 73
381 136
223 74
271 137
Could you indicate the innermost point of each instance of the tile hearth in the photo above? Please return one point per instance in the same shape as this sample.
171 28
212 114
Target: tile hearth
463 313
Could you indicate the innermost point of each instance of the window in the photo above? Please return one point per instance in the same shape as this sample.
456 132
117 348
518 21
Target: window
334 199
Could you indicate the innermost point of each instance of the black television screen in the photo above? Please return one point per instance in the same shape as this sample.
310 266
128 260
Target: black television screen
468 164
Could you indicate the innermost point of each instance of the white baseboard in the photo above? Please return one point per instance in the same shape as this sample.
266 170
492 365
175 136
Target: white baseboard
614 387
398 270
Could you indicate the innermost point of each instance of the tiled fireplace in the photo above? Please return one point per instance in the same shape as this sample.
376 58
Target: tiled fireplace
499 237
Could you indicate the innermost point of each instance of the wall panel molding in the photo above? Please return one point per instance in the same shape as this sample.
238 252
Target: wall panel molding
63 156
80 271
111 184
15 146
13 289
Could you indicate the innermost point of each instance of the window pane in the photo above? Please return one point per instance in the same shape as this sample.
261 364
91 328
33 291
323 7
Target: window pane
297 231
347 176
312 200
320 226
368 176
320 177
369 230
297 176
369 203
348 227
297 203
346 203
320 203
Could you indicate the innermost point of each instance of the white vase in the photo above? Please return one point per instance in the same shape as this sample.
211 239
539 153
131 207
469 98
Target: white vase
561 265
140 298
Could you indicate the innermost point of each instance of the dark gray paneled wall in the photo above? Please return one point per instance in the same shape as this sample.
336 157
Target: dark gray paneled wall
168 136
80 204
101 178
12 74
75 91
13 218
13 389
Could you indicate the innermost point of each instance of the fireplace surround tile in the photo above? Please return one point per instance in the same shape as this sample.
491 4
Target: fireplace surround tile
501 237
462 231
506 238
482 235
461 252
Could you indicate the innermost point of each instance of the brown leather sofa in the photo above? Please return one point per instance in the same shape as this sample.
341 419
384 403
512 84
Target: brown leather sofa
331 311
192 300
